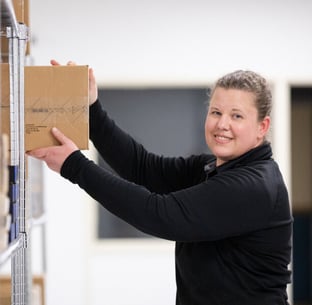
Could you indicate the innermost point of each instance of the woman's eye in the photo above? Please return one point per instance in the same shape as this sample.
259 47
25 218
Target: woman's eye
237 116
214 112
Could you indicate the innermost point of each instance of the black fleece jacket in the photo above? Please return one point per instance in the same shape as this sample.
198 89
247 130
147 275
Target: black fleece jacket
232 224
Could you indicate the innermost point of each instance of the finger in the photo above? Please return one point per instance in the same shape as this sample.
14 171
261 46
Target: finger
59 136
39 153
53 62
91 73
71 63
92 87
91 77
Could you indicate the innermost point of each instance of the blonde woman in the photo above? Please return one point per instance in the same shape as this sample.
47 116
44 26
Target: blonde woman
228 212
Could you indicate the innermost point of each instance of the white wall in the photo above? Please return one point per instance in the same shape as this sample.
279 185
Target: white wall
148 41
144 42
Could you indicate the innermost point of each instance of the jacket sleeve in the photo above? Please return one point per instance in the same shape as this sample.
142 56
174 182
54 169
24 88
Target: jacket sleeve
131 161
225 205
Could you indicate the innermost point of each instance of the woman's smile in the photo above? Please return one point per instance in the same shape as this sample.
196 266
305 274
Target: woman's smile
221 139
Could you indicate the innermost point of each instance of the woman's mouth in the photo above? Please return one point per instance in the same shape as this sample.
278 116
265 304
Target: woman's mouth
222 139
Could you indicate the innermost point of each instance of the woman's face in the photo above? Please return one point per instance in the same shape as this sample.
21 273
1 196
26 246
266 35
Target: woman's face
232 127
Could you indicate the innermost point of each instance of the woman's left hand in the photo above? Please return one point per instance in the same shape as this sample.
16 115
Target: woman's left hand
54 156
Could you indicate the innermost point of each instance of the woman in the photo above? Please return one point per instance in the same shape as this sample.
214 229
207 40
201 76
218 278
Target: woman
228 212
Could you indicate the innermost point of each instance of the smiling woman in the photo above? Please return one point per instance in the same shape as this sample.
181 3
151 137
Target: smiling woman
228 211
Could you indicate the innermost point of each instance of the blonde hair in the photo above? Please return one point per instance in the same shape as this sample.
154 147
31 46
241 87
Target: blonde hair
251 82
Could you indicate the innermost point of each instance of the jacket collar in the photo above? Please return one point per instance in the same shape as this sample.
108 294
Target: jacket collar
261 152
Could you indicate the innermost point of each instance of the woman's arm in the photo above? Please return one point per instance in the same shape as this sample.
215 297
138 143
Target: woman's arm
223 206
132 162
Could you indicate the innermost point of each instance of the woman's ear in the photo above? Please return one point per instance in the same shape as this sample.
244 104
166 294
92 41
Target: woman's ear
264 126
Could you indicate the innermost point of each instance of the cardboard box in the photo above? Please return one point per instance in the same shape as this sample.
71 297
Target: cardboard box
54 96
5 99
21 9
37 292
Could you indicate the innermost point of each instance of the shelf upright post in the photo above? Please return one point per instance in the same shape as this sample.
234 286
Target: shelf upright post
21 283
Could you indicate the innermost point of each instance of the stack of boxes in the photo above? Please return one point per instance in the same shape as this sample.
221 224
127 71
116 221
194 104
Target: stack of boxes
21 10
9 210
53 96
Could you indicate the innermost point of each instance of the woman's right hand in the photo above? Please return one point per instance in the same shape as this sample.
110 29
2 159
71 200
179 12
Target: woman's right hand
93 90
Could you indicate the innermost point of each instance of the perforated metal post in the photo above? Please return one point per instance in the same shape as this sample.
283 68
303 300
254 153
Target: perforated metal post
21 283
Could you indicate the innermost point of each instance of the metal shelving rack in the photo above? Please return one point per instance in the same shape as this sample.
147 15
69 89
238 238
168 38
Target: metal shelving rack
18 250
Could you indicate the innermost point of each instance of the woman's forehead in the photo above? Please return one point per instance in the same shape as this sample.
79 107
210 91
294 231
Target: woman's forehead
230 96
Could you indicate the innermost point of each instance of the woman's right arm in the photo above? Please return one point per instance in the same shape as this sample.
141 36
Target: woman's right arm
133 162
114 145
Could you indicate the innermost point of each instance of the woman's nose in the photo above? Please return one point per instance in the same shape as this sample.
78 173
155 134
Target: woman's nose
224 122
